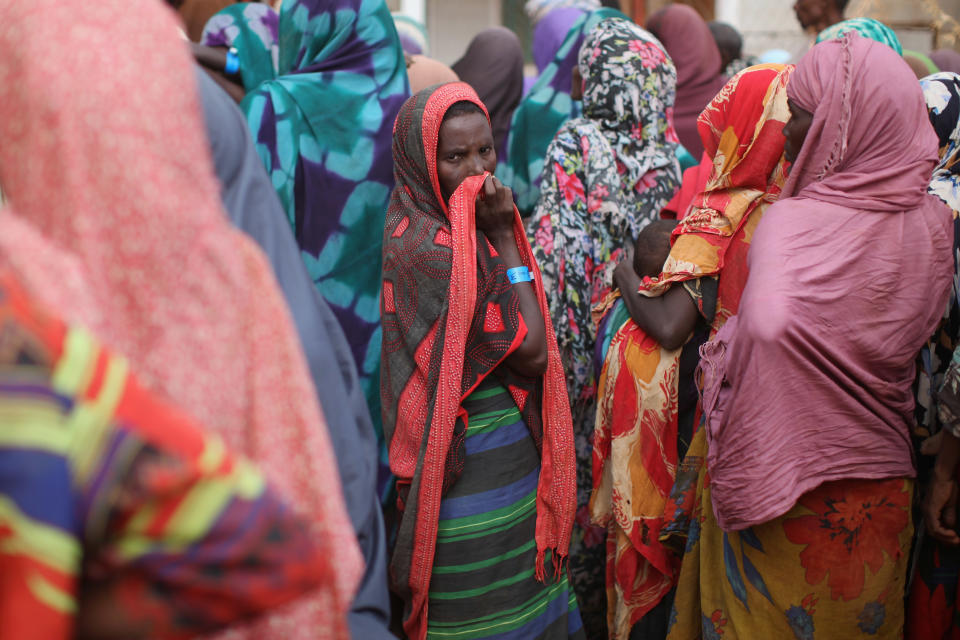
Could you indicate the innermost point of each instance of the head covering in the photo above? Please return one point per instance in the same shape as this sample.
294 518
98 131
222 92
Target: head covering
115 221
742 132
413 35
849 274
541 112
693 50
251 28
831 166
866 27
920 64
493 66
322 128
941 91
607 175
424 383
946 60
537 10
425 72
253 207
550 32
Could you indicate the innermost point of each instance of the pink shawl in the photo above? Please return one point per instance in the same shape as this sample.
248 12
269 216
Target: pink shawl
849 274
115 222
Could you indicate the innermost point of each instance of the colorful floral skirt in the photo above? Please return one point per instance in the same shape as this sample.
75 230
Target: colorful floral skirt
834 566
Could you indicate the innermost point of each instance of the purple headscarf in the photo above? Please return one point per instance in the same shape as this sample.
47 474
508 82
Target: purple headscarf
694 52
550 33
849 275
946 60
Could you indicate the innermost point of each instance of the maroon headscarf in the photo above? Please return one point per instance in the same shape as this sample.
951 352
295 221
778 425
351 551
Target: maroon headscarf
493 66
690 44
850 270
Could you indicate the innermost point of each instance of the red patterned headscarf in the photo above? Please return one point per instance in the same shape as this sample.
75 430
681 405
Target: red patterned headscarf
742 131
450 317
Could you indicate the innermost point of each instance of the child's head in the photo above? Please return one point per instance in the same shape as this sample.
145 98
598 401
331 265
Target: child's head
652 248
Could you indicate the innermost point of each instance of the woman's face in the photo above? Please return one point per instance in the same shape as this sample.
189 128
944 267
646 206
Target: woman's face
464 149
795 131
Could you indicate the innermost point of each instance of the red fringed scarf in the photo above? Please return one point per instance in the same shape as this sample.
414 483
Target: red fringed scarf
450 317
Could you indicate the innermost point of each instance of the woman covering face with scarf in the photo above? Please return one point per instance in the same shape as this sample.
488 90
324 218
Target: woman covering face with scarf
475 406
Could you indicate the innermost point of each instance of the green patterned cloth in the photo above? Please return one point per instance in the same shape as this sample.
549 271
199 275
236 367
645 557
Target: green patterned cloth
868 28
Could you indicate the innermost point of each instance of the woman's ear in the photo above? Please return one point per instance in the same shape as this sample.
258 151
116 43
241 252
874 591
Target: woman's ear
576 83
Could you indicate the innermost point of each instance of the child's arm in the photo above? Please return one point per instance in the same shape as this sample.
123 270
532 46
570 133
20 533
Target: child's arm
669 319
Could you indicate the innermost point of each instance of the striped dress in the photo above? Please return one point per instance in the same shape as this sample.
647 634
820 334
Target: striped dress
483 583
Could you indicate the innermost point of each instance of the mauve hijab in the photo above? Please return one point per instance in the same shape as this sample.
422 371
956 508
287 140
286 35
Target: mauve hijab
694 52
493 66
946 60
849 275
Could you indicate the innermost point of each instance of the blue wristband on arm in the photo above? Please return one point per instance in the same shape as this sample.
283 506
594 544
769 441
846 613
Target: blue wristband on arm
233 62
519 274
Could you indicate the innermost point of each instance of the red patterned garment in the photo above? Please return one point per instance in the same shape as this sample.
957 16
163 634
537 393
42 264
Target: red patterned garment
450 317
742 132
635 454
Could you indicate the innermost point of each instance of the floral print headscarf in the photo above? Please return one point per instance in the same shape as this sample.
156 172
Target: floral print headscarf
607 175
629 85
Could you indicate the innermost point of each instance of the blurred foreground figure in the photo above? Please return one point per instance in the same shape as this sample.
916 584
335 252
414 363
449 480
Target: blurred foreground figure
116 223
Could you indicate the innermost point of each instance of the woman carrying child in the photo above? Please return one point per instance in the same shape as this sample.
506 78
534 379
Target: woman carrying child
636 447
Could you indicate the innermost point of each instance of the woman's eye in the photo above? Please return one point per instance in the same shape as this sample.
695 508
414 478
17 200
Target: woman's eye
453 157
486 150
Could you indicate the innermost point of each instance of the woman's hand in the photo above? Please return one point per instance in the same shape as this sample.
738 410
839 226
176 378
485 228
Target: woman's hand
940 504
494 210
624 277
940 509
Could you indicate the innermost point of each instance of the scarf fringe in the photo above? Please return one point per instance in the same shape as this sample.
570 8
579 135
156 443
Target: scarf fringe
560 563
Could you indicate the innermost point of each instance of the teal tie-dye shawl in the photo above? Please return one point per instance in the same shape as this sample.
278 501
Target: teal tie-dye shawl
323 126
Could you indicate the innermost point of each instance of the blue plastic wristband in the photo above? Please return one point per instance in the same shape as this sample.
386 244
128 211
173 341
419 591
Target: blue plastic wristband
519 274
233 62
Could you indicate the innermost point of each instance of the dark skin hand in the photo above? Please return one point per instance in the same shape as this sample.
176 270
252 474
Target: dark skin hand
669 319
213 60
465 148
795 131
576 84
940 503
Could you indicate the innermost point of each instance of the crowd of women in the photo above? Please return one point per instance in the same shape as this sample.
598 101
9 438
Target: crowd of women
304 334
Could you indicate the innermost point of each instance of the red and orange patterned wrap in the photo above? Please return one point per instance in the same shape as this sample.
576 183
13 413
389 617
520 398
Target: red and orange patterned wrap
635 439
742 131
